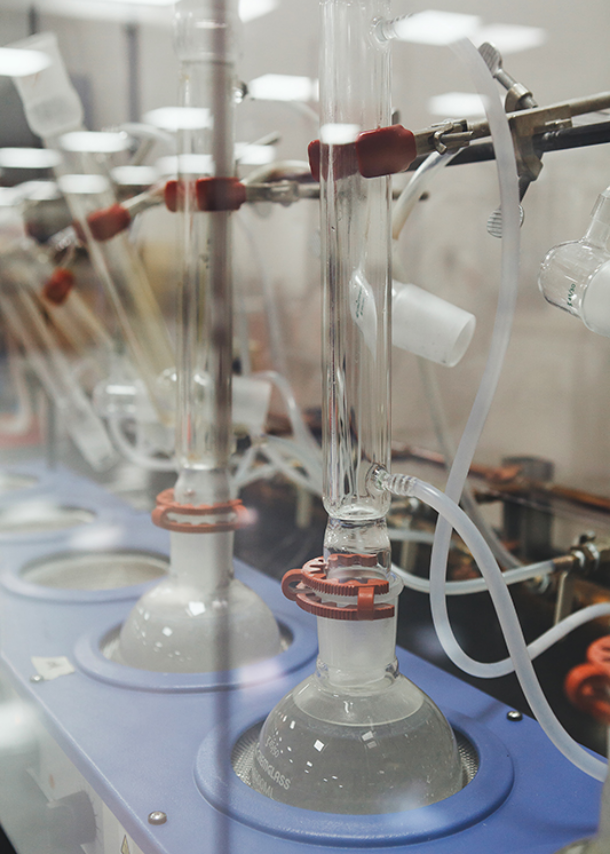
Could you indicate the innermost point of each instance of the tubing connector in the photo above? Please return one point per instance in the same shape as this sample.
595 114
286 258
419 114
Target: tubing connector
590 556
190 518
311 588
380 480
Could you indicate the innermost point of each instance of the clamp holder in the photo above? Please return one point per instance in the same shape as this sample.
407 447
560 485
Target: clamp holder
233 512
308 586
588 685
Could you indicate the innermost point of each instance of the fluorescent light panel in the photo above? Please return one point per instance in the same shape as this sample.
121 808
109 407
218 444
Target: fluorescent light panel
178 118
134 176
96 142
83 184
15 62
251 9
283 87
250 154
434 27
142 2
511 38
339 134
28 158
455 105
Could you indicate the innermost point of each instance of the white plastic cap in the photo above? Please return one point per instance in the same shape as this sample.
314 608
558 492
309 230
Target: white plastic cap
428 326
51 103
595 310
251 399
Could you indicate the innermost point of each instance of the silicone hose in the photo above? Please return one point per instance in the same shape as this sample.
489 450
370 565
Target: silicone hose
455 517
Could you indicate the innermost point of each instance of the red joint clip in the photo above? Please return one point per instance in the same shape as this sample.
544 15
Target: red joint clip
58 285
303 586
109 222
174 195
313 153
220 194
587 686
344 160
167 505
385 151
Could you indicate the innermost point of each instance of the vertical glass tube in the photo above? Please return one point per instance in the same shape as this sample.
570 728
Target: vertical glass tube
201 617
53 110
354 97
206 47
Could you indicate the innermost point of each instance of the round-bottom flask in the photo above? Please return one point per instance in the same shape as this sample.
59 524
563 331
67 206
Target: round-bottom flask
200 619
357 737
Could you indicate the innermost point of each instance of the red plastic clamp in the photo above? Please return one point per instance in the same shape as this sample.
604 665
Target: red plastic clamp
588 685
173 195
166 505
109 222
209 194
220 194
383 151
58 285
303 586
344 160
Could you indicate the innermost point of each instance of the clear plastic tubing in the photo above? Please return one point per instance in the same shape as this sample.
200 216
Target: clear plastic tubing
509 203
450 515
507 615
355 217
53 110
477 585
204 432
408 199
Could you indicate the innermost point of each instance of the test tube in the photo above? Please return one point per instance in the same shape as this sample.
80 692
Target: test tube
354 97
205 309
54 112
24 318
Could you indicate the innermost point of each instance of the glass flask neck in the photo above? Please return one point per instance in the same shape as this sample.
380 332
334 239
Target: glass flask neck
356 656
364 537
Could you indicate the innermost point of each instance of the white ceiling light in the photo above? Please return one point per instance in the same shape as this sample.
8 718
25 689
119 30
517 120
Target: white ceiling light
283 87
456 105
178 118
250 154
251 9
142 2
134 176
15 62
39 191
185 164
433 27
339 134
96 142
511 38
28 158
83 184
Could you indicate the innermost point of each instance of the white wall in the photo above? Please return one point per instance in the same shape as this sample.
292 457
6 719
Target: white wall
553 395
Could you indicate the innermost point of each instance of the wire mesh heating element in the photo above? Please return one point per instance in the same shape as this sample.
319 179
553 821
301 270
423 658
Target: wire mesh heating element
242 755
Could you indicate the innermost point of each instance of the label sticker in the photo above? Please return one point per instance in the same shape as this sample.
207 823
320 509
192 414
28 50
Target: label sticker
51 668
